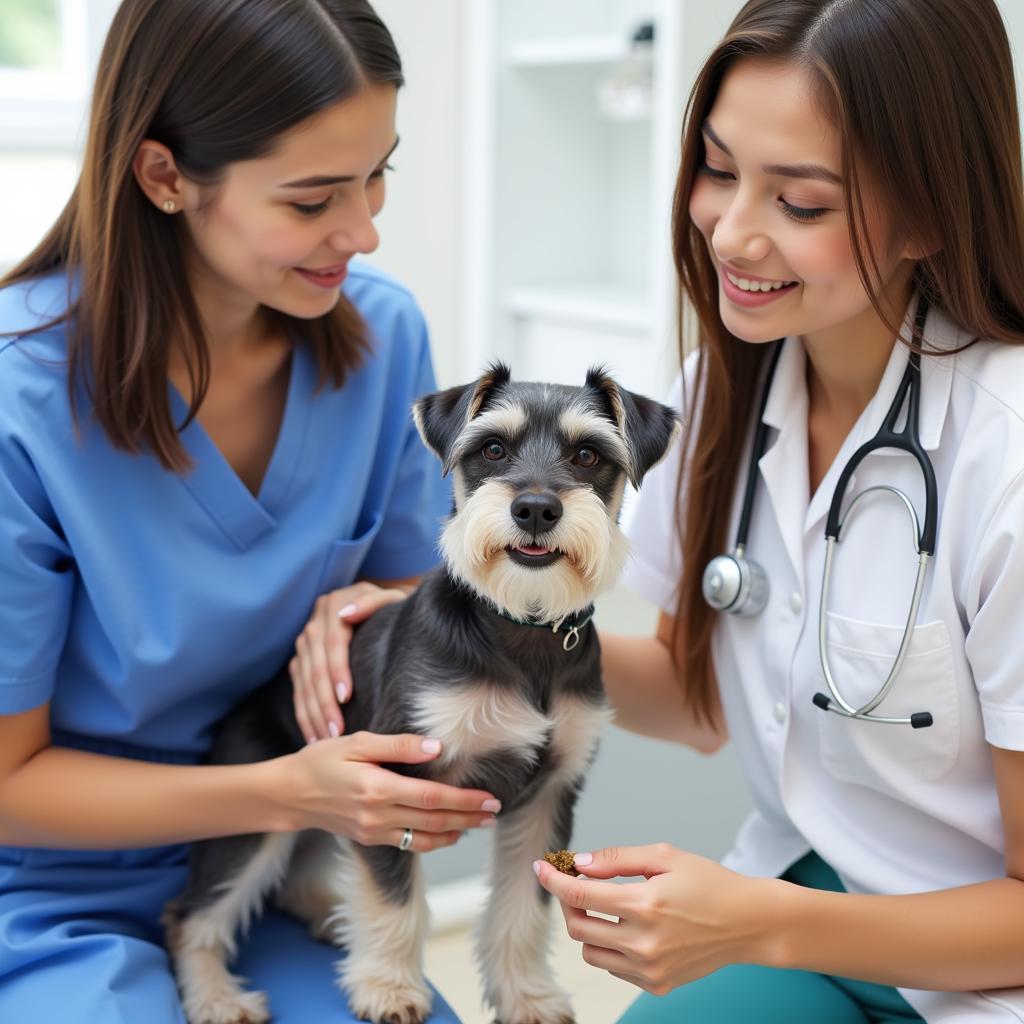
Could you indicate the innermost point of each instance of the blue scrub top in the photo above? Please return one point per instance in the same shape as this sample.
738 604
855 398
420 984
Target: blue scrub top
143 603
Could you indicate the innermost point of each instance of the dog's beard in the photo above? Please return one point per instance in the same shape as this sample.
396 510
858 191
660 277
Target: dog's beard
476 541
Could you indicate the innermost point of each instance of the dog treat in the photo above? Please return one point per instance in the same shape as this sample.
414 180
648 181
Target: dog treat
563 860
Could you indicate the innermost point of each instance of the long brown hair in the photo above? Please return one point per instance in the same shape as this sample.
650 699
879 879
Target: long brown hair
922 93
216 81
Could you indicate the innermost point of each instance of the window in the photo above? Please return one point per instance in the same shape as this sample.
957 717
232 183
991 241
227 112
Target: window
32 36
48 49
48 52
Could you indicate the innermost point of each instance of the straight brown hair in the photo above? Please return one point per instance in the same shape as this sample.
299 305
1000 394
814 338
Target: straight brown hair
216 81
922 93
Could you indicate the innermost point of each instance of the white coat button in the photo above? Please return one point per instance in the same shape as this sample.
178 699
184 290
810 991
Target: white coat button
780 712
796 602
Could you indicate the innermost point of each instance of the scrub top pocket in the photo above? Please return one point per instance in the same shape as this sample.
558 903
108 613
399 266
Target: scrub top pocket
883 756
345 558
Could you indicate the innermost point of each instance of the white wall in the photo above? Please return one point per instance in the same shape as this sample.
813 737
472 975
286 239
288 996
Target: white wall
421 223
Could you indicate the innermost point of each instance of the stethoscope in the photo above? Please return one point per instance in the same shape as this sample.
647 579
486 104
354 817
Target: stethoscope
736 584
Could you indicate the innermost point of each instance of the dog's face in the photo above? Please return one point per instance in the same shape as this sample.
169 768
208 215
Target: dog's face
539 475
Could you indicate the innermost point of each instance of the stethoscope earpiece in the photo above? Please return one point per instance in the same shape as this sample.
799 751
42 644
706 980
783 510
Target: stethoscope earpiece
918 720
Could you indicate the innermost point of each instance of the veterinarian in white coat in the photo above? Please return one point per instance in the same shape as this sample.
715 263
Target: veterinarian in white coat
922 827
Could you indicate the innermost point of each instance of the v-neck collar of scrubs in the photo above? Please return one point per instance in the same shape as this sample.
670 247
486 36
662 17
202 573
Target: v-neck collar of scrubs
242 516
797 511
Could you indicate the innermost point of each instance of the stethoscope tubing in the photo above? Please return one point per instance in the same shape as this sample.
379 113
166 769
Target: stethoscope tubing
841 705
908 440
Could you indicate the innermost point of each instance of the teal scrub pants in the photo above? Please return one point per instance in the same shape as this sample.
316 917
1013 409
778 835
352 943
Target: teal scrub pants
748 994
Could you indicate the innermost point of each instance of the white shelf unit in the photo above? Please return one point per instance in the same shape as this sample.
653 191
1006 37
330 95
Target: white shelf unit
601 49
568 259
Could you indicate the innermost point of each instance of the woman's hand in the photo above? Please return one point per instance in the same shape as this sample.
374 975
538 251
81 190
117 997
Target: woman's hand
689 917
321 680
340 786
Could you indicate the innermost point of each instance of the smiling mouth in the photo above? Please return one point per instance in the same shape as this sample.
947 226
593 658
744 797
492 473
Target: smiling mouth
326 271
758 285
534 556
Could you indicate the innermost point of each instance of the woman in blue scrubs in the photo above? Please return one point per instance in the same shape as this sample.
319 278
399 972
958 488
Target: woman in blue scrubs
205 441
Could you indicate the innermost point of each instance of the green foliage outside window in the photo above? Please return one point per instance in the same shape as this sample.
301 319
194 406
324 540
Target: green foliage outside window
30 34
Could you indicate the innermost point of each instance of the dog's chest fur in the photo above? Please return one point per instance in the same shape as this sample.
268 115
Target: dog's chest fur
487 723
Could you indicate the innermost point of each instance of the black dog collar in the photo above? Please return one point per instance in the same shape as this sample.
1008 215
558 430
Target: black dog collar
570 625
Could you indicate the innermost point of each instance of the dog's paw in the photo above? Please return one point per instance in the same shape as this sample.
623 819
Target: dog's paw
542 1005
236 1008
535 1020
386 1001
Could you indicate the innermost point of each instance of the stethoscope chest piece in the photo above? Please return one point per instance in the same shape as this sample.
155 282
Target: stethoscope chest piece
735 584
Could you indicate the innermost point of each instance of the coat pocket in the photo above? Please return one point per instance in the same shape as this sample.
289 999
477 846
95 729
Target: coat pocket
883 756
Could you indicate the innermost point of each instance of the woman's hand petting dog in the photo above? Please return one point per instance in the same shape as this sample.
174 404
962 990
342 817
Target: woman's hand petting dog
320 674
339 786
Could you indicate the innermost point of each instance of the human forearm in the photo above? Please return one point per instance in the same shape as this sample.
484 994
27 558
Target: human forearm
952 940
71 799
642 687
690 916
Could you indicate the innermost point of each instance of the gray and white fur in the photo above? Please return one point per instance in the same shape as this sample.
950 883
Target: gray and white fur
539 473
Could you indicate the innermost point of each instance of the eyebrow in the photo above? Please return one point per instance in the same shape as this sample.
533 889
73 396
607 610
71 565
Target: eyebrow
336 179
812 171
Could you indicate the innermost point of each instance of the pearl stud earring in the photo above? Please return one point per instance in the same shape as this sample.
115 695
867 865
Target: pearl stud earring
169 206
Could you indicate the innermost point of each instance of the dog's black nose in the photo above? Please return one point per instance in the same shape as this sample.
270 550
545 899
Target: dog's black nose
537 513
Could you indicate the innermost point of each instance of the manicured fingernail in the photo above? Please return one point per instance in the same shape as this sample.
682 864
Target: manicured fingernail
310 740
332 728
342 691
347 610
491 805
488 822
536 867
581 860
431 746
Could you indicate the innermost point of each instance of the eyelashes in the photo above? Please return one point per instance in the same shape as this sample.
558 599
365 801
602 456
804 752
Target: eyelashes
802 214
717 175
312 209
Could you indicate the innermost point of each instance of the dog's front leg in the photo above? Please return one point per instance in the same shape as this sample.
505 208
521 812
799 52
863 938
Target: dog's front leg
514 932
382 921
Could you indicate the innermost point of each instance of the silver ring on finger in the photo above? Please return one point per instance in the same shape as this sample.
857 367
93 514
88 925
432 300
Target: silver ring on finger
406 842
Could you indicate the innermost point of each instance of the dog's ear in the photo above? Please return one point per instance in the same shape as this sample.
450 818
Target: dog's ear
441 417
439 421
648 427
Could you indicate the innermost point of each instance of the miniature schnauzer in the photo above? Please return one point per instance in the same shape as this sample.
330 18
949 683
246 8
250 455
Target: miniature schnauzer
492 654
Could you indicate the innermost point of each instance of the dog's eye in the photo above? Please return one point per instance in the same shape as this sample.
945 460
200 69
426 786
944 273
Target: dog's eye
493 450
586 457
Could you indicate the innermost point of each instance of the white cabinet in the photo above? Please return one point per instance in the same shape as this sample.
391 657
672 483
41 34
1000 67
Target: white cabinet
569 168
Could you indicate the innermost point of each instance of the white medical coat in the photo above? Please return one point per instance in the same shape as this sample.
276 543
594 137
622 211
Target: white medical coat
892 809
